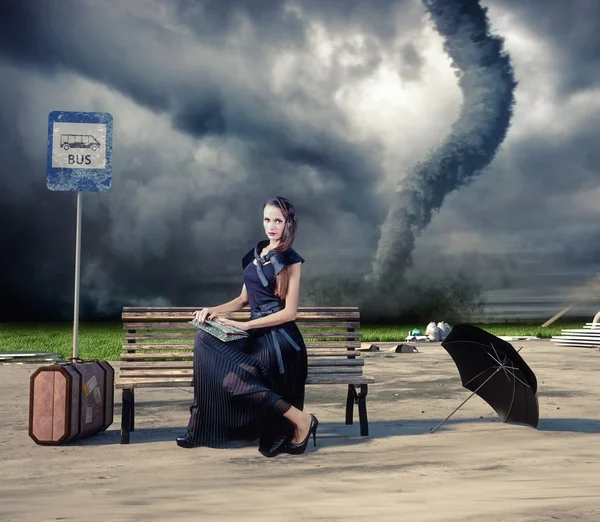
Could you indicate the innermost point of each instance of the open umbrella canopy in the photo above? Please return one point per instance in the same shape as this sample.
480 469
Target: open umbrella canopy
492 368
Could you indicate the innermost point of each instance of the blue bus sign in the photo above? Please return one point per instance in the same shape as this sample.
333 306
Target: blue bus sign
79 151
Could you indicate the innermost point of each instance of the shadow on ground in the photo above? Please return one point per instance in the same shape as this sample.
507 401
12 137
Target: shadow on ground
332 434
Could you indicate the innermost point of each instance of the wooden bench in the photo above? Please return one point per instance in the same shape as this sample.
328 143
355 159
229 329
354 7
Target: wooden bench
163 357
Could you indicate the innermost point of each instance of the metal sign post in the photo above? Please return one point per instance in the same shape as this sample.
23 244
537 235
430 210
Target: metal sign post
79 160
77 280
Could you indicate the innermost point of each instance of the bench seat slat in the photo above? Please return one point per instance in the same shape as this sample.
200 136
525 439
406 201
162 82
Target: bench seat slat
187 382
189 355
181 325
191 334
182 315
320 361
157 346
159 373
191 309
346 345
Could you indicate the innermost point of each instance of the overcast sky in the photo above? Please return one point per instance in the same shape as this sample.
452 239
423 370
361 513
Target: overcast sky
219 104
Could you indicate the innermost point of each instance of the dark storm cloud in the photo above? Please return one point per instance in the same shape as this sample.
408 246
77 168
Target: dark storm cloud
280 22
220 104
538 206
145 63
270 18
94 41
207 91
570 29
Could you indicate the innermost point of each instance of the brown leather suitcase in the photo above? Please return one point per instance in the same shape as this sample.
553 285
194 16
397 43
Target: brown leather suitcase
70 401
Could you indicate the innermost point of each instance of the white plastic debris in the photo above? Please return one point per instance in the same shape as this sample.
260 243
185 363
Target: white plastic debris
444 329
432 332
417 338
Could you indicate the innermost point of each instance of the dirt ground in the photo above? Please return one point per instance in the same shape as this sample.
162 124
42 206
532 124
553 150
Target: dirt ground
473 468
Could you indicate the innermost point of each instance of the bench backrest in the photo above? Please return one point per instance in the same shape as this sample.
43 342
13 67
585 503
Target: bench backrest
159 343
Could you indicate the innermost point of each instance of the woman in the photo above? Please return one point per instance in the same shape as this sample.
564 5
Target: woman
254 387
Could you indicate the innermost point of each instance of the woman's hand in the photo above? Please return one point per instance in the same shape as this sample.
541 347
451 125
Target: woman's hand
236 324
202 315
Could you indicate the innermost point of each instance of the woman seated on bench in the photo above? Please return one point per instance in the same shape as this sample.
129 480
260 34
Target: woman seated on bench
253 388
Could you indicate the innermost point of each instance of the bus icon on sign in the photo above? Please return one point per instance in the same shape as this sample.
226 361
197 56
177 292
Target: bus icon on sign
79 141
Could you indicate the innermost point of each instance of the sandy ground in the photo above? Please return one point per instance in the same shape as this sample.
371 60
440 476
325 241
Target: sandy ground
473 468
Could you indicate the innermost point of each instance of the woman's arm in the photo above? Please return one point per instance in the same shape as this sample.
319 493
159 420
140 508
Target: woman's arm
234 305
291 303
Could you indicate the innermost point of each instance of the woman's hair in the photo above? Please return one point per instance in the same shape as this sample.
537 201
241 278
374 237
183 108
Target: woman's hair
287 239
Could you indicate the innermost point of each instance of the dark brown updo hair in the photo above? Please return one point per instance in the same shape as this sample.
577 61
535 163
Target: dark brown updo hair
287 239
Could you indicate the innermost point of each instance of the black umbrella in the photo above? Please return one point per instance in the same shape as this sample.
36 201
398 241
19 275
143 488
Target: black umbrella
491 368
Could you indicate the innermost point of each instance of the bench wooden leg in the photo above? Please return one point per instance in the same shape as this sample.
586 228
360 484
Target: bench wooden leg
350 402
362 410
126 415
360 399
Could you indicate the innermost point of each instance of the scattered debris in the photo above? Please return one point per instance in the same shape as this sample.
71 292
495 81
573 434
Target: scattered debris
388 346
368 347
586 337
433 333
417 338
518 338
404 348
29 358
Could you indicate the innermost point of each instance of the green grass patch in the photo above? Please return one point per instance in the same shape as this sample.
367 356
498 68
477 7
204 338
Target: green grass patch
399 332
104 340
96 340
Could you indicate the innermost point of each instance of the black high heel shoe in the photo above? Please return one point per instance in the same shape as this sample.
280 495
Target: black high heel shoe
183 442
298 449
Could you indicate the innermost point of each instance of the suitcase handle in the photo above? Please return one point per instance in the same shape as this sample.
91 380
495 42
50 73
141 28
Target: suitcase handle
71 360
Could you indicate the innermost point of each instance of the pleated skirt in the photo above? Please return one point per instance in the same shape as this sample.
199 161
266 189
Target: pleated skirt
240 394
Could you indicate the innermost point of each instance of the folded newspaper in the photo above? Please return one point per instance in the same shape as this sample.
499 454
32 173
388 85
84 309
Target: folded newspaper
221 331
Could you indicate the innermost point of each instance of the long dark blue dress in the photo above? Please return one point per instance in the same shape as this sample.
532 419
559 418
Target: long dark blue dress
242 388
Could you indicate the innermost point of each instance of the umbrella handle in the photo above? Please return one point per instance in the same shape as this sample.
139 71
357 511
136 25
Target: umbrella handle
433 430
